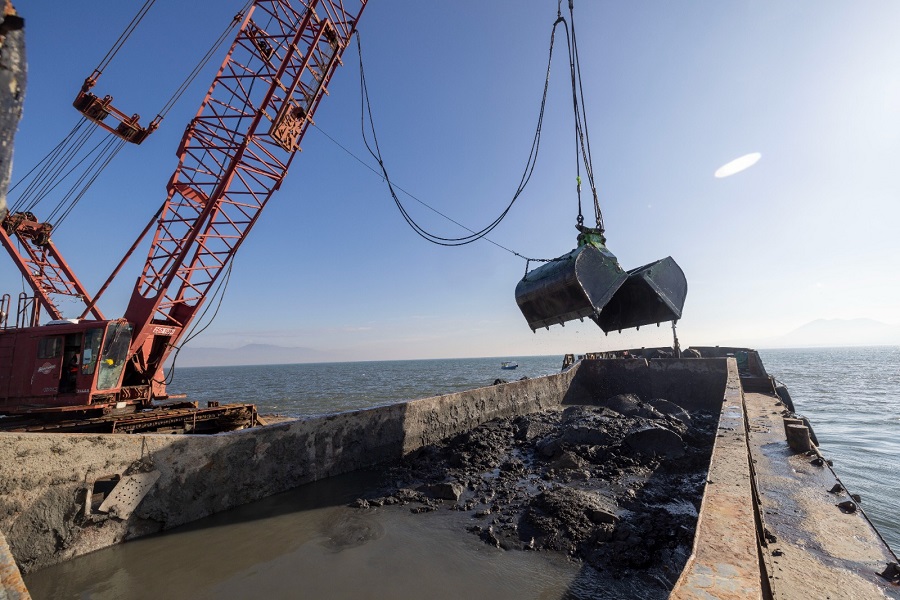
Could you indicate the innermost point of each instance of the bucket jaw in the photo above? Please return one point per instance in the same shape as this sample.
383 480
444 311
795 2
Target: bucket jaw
576 285
588 282
654 293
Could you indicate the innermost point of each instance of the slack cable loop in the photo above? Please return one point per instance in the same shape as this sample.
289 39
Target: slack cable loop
375 152
380 175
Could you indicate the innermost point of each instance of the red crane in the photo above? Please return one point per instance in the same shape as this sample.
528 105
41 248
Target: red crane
234 155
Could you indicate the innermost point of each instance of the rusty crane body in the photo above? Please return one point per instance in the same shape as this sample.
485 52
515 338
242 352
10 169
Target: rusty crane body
233 157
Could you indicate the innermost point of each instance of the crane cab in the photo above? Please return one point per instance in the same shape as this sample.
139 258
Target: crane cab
66 365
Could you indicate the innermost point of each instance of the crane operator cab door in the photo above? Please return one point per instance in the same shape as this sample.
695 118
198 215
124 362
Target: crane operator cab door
47 374
71 364
576 285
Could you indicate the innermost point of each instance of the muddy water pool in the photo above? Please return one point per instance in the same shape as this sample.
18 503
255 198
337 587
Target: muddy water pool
309 543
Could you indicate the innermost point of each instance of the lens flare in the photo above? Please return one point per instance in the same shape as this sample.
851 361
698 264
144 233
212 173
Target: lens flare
738 165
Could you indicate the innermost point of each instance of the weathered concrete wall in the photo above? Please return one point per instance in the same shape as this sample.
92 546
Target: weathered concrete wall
694 384
46 479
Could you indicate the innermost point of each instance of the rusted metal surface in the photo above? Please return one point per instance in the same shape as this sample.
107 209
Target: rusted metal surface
186 418
11 585
233 157
28 243
99 109
724 562
812 548
754 377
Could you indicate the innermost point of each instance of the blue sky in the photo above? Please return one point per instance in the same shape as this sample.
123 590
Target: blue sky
673 91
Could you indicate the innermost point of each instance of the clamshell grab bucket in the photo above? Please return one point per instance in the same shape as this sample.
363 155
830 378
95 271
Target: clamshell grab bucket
654 293
576 285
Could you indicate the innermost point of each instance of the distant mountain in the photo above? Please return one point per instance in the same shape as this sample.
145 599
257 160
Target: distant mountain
843 332
250 354
835 332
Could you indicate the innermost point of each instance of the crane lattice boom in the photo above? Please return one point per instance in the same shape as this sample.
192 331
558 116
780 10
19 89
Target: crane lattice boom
234 155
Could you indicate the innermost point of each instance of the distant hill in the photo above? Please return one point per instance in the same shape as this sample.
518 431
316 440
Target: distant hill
834 332
250 354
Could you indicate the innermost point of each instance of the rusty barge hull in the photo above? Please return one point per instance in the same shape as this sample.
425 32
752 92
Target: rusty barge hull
766 527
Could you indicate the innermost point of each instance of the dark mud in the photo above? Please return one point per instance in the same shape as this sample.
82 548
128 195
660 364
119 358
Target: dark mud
616 485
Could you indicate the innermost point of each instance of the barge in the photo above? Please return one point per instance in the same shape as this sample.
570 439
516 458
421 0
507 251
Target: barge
774 520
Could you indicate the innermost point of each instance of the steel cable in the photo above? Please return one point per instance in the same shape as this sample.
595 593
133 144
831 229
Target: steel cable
49 168
60 205
135 21
366 110
111 151
582 136
203 61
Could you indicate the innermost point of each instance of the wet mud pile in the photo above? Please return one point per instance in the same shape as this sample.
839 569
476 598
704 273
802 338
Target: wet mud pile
617 484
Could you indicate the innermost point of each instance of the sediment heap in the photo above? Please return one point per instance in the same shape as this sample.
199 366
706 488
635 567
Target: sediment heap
617 484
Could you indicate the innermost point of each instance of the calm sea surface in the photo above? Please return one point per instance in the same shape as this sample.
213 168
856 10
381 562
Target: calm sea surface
283 547
313 389
851 395
852 398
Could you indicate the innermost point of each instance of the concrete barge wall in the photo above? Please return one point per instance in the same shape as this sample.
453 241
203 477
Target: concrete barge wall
47 480
52 485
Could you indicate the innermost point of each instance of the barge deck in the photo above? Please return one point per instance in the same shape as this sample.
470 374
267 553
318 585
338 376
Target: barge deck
769 525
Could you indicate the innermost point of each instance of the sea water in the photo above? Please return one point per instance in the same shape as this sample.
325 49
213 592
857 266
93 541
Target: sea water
852 399
320 388
284 547
851 396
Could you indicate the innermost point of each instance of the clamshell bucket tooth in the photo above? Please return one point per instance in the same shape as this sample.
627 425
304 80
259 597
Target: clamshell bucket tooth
573 286
653 293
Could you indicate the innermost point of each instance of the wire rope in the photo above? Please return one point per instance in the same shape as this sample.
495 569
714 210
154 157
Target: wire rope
204 61
410 194
375 152
47 156
581 141
59 206
111 154
582 136
50 167
135 21
219 297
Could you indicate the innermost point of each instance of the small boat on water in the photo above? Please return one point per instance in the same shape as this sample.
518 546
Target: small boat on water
509 364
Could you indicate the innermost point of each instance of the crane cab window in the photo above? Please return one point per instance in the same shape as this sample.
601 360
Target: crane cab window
115 351
50 347
92 339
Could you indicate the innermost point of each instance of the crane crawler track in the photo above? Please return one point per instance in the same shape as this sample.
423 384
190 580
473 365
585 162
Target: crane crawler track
183 417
